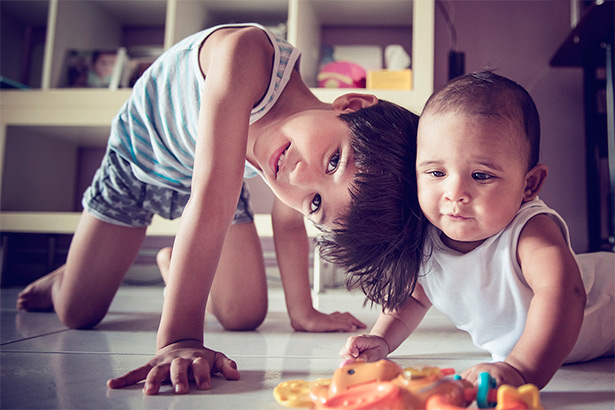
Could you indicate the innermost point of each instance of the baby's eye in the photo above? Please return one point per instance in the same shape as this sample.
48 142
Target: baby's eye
481 176
437 174
315 204
333 162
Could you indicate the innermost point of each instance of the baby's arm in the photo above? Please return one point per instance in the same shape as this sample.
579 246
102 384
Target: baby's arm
292 252
389 331
556 311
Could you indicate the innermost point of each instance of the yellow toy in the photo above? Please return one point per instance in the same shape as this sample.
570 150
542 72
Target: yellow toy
384 385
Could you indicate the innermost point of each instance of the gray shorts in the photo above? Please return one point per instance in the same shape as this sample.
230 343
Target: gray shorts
116 196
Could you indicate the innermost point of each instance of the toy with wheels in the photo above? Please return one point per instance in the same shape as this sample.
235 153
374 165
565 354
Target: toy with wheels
384 385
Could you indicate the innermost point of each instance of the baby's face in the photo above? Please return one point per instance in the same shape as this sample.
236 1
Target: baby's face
470 175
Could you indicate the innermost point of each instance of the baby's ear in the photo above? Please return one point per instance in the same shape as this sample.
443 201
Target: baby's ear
533 181
353 102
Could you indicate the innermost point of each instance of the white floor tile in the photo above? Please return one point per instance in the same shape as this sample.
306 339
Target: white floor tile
45 365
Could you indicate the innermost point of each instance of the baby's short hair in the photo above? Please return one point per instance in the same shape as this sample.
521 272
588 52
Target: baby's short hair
379 239
488 94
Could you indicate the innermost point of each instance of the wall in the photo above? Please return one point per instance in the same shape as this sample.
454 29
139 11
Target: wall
517 38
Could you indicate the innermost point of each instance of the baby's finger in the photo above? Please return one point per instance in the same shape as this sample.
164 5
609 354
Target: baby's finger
469 375
350 350
201 373
179 375
130 378
155 378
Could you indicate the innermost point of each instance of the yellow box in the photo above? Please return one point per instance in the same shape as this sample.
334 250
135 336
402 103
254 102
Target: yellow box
389 79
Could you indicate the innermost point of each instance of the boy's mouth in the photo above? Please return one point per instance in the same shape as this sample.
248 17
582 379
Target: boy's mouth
277 158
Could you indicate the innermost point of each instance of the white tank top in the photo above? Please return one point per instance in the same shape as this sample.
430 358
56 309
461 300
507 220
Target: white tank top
485 294
156 128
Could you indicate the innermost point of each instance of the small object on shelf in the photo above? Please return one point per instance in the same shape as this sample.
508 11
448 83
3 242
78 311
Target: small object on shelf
397 75
341 74
8 83
389 79
95 68
140 58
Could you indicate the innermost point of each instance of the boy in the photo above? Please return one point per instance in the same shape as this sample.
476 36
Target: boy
222 104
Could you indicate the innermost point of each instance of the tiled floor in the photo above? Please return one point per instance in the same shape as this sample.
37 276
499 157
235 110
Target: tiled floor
45 365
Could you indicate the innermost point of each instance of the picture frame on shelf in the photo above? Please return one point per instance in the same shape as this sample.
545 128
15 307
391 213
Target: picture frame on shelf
96 68
140 59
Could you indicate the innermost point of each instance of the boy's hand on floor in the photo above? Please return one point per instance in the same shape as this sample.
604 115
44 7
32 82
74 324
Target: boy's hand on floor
315 321
179 363
365 347
503 373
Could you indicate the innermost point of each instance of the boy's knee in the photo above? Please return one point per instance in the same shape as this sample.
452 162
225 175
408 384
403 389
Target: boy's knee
241 321
79 318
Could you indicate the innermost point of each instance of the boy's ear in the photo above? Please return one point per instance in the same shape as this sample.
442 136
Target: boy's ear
353 102
533 181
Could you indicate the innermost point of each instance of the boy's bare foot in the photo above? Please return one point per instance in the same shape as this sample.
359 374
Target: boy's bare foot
163 260
37 295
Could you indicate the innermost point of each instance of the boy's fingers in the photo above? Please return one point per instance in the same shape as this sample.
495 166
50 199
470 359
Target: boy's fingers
179 375
226 366
201 373
130 378
155 378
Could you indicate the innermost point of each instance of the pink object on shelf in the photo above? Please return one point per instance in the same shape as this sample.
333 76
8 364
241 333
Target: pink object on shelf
342 74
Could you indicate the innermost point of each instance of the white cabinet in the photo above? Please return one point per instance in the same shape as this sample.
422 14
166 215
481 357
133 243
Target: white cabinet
46 131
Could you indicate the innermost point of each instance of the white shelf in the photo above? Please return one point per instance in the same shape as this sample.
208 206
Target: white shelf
66 223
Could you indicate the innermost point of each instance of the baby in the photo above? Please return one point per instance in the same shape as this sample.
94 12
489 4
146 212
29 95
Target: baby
497 260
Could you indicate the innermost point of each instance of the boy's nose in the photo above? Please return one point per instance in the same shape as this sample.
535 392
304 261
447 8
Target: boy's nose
301 175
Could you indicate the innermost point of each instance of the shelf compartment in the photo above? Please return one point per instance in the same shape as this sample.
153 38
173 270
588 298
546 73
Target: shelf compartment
99 25
186 17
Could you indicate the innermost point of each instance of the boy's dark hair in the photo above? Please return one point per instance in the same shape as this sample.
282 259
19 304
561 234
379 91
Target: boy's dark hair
488 94
379 240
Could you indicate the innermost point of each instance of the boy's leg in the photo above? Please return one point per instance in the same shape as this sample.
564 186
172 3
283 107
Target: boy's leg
238 296
98 259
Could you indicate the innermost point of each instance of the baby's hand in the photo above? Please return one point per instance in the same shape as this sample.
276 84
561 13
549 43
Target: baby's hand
176 363
366 347
315 321
503 373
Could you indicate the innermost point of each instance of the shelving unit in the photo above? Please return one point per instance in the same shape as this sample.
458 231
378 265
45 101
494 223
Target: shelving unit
60 122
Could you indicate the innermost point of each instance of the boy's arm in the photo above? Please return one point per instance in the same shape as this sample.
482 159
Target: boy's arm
390 330
292 253
237 65
556 311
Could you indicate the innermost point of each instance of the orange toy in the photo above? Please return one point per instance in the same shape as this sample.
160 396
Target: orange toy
384 385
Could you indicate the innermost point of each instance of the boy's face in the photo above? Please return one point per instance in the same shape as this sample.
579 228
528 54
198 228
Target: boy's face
307 161
471 175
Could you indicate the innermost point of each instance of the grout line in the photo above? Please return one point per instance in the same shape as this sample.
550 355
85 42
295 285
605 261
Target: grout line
33 337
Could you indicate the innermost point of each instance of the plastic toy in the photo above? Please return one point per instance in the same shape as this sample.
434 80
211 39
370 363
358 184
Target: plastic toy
342 74
385 385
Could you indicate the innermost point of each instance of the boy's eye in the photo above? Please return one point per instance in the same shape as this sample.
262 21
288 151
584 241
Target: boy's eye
481 176
437 174
333 162
315 204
